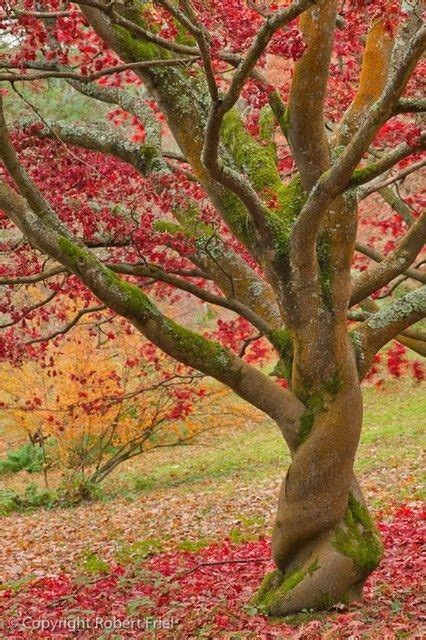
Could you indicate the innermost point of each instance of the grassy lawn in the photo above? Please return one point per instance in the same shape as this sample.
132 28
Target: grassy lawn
392 437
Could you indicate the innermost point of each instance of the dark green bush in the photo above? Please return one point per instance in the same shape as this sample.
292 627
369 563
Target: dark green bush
32 498
28 457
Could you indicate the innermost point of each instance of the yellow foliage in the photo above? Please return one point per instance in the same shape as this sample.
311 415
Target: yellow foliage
96 403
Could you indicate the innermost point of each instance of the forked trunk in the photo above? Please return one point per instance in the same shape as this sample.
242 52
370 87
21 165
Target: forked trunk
324 542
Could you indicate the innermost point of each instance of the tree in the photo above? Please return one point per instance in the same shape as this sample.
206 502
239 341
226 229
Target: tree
90 408
243 190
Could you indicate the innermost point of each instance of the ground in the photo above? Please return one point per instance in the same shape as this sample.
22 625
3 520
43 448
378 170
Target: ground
138 551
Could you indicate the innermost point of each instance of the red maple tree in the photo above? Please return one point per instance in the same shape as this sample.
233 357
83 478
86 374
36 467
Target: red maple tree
264 161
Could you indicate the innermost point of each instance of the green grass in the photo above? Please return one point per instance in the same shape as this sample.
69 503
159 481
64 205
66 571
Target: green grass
254 453
392 436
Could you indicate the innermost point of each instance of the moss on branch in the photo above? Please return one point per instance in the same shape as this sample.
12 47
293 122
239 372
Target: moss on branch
325 267
184 344
316 403
282 341
129 298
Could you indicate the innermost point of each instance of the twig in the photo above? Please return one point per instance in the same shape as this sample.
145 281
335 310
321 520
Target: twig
218 562
69 75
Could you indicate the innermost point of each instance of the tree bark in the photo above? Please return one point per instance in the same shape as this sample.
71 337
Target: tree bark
324 542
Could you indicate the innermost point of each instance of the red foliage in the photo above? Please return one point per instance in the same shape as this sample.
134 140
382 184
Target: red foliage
100 197
196 596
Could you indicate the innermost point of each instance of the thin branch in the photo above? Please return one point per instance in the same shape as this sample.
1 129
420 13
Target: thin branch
376 185
220 562
65 329
375 169
37 277
410 105
395 263
100 140
387 324
28 310
202 294
92 77
42 15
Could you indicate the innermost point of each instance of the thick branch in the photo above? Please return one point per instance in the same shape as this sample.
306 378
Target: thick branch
395 263
375 255
387 323
306 130
375 169
372 80
390 196
335 180
141 157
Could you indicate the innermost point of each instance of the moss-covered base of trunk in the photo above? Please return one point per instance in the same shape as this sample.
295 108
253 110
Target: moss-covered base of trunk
327 574
288 594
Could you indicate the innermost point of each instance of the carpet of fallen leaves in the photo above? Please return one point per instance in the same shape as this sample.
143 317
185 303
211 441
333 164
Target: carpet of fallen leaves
49 542
206 594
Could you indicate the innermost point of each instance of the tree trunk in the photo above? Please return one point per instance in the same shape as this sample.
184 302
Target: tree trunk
324 542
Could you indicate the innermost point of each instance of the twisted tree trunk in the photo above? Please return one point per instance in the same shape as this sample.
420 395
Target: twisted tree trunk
324 542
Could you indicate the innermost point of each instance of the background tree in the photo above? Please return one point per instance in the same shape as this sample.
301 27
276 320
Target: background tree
90 408
243 190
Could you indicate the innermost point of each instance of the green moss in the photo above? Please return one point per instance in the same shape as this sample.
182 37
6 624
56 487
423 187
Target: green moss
316 403
364 174
358 539
166 226
138 48
182 36
151 156
277 584
183 92
291 198
267 126
132 299
281 339
281 112
198 347
257 161
237 218
259 165
334 384
306 424
326 270
135 302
